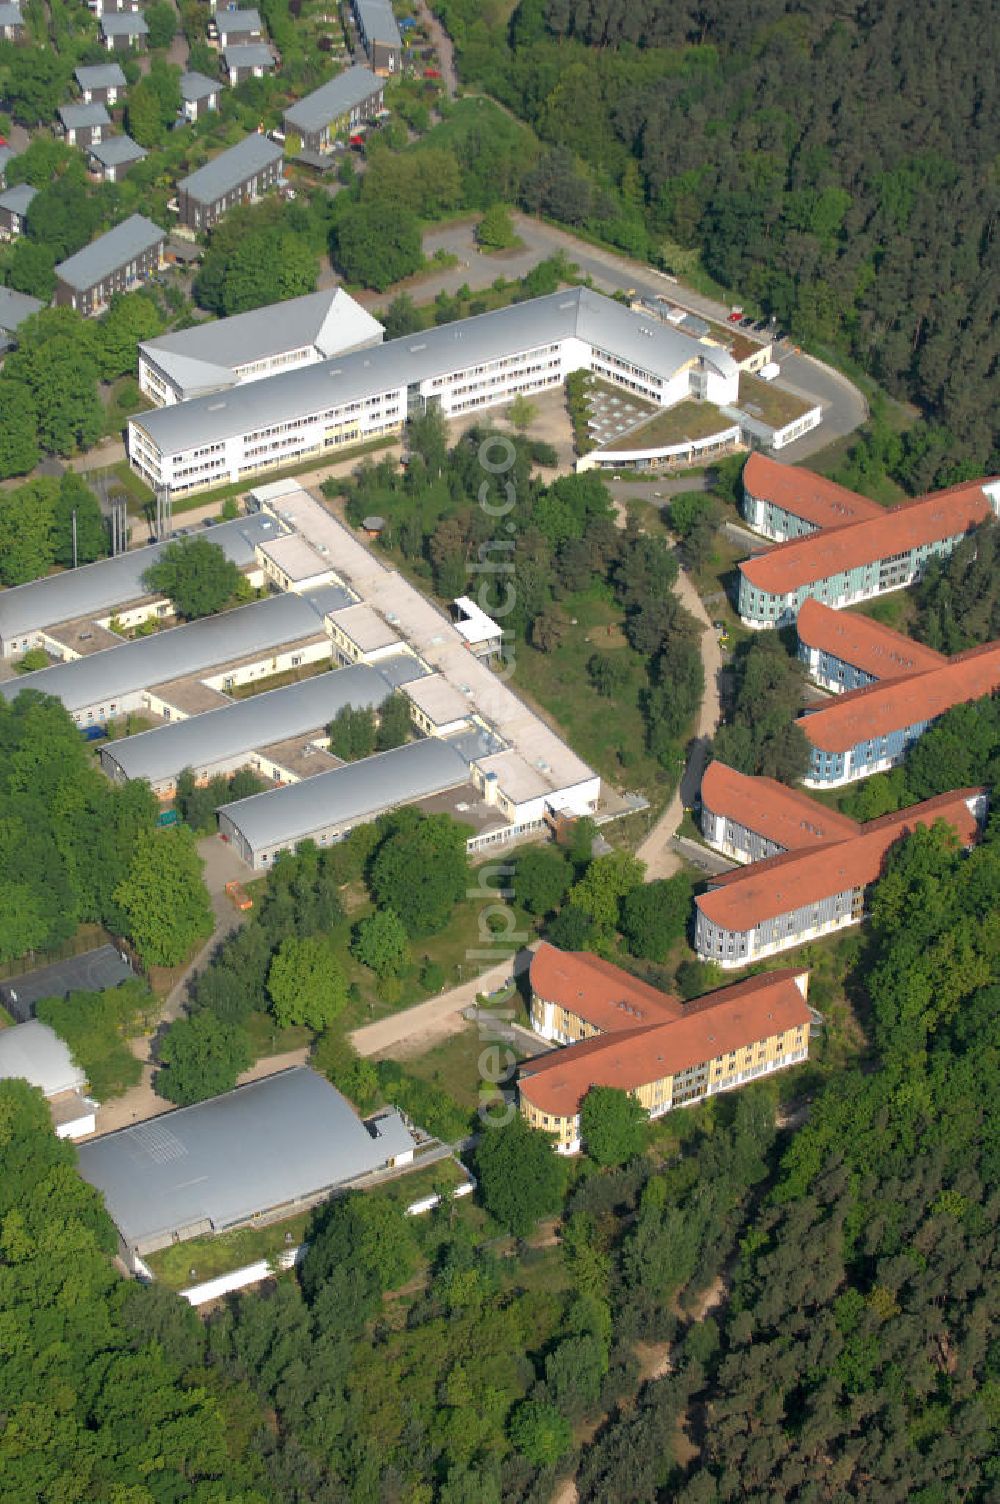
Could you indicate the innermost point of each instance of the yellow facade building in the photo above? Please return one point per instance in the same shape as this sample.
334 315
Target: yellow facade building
622 1033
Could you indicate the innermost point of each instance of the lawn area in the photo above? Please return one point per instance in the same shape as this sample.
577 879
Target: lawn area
120 477
201 1259
688 420
269 1039
450 950
761 399
443 1175
278 681
898 610
609 733
210 1256
454 1064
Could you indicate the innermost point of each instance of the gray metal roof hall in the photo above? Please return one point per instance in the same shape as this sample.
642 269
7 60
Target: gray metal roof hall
125 243
96 588
333 99
107 676
285 1139
202 741
230 168
344 796
441 351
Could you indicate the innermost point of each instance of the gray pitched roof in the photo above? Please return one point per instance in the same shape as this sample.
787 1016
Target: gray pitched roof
36 1054
6 157
433 352
128 24
275 1141
198 86
97 588
230 168
91 971
378 21
108 252
357 791
238 20
248 55
107 675
101 76
73 116
204 357
116 151
15 307
10 15
333 99
232 730
18 198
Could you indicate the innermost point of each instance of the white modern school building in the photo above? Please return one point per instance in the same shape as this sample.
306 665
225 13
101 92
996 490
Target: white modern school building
475 363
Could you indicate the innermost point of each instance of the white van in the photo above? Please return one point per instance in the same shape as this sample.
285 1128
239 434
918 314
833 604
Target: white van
768 372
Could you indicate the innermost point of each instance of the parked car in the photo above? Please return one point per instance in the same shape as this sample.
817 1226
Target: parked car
736 316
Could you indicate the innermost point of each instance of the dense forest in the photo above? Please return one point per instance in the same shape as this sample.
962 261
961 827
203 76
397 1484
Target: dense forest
853 1358
833 165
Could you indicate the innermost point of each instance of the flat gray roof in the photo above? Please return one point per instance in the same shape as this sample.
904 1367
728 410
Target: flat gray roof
108 675
18 198
198 86
206 355
248 55
73 115
94 589
117 150
238 20
432 352
285 1138
203 740
15 307
101 76
230 168
91 971
108 252
128 23
378 21
333 99
36 1054
358 791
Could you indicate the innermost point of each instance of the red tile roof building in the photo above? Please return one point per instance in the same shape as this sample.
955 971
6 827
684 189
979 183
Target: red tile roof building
720 1042
752 819
843 650
790 899
856 560
575 995
869 730
783 502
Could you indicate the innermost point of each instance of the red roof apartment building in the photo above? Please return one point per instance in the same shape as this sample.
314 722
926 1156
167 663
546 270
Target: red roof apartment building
753 819
787 900
857 557
664 1053
869 730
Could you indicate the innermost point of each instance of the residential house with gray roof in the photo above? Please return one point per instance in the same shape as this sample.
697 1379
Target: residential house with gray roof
14 205
247 60
101 84
339 105
114 157
84 124
124 32
240 175
114 262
